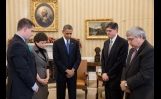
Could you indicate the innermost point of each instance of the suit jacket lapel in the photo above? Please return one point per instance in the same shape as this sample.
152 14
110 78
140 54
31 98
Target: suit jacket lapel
38 52
21 40
64 45
106 50
71 45
128 60
46 55
129 57
114 45
130 54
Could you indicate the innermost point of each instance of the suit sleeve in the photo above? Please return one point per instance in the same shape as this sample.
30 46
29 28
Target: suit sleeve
78 57
19 57
121 60
145 75
103 60
56 59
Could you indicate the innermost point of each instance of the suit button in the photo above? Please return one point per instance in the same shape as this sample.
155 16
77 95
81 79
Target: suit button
44 67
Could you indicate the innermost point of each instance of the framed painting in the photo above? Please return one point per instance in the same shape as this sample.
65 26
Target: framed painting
44 14
95 28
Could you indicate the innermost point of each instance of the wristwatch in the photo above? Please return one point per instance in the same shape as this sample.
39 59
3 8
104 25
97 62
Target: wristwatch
126 84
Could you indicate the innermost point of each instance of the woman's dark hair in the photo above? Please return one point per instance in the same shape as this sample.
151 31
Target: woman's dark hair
41 36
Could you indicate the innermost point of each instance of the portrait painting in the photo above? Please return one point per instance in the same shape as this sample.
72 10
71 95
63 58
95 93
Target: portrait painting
95 28
44 15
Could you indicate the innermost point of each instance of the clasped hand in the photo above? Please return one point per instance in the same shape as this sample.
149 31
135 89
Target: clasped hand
43 81
70 73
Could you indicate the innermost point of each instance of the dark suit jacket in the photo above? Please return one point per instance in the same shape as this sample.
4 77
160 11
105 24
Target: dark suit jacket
139 74
63 60
21 70
113 63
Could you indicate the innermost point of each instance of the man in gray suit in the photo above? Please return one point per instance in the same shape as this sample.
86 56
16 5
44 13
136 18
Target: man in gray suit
138 74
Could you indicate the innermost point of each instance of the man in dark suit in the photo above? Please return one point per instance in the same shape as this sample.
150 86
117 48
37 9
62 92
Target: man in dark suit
66 63
138 74
113 59
21 65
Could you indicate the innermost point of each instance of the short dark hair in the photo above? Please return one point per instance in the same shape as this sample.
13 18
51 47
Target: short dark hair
41 36
24 22
112 25
67 26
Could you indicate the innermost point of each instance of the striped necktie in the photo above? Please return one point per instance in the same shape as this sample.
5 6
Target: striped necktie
133 54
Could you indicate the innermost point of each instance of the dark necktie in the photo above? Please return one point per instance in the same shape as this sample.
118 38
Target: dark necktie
133 54
110 45
67 45
28 46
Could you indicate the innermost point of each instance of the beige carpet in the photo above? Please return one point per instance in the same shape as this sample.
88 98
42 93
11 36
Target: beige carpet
80 93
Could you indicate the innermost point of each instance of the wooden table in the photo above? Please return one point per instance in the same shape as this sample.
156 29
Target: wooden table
93 63
99 78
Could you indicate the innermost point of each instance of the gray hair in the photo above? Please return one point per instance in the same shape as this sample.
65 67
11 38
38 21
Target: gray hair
67 26
136 31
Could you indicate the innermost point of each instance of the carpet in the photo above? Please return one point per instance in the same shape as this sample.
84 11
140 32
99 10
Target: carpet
80 93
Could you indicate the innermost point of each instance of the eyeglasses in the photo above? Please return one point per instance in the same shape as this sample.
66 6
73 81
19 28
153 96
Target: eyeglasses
130 39
108 31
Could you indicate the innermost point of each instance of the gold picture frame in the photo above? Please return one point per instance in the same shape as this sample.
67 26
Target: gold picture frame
44 14
95 28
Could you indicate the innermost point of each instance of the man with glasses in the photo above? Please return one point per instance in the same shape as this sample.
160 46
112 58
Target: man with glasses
138 74
114 54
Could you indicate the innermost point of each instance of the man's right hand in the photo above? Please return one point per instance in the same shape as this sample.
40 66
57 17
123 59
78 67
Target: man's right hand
105 77
36 89
70 72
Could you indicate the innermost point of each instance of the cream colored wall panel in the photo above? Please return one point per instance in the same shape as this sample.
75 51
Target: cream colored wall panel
126 13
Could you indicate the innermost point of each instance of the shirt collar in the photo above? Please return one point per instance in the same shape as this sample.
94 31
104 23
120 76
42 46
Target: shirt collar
66 40
21 37
114 38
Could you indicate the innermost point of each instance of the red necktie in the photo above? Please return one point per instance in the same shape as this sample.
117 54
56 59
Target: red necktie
134 53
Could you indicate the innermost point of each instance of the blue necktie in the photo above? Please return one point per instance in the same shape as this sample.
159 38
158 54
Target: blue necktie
67 45
28 46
